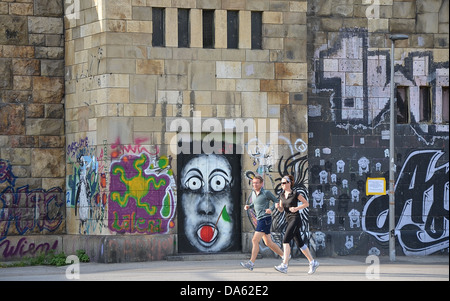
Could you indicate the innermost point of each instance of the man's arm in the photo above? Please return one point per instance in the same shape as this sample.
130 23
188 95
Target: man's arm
271 197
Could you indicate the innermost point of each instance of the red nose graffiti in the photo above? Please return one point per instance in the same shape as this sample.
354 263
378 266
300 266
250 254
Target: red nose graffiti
207 233
209 195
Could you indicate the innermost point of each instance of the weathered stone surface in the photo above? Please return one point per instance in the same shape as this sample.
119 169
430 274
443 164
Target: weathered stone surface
16 156
47 163
48 89
35 110
52 141
25 67
402 25
50 52
401 10
21 9
46 25
6 80
294 118
12 117
38 126
52 68
54 111
24 141
427 23
13 96
49 8
203 76
13 30
17 51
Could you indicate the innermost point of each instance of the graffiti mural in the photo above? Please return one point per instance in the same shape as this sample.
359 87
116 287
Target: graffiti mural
142 196
348 120
28 211
209 190
265 164
85 187
421 206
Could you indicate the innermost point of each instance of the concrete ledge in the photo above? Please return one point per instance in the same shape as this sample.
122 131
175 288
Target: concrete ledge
212 256
126 248
99 248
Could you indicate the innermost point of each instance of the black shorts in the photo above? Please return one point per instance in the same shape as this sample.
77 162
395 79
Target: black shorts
293 231
263 225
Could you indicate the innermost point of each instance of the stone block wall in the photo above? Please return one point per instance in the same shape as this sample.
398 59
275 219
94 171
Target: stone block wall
125 98
32 133
82 84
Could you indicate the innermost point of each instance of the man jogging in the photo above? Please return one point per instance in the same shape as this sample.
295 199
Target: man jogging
264 220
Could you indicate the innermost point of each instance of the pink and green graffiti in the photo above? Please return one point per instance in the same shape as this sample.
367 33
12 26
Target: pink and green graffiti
141 197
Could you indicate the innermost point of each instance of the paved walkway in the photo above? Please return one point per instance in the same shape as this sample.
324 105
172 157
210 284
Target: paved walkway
348 268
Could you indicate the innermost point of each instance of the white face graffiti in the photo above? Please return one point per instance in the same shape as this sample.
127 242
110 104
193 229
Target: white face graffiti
206 181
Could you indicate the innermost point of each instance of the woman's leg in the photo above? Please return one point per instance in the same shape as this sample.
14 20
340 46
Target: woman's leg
307 253
287 252
301 244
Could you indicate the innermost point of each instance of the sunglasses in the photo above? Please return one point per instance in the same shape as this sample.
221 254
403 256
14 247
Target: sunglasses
282 183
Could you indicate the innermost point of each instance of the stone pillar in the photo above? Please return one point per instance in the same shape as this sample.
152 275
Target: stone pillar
32 143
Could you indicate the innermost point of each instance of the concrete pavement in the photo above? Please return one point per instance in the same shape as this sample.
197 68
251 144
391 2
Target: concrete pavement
223 268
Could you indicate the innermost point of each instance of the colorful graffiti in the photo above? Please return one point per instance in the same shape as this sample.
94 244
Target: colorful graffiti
25 211
135 192
85 187
142 194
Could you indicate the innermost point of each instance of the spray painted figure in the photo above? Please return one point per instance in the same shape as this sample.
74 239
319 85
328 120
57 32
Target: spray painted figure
207 209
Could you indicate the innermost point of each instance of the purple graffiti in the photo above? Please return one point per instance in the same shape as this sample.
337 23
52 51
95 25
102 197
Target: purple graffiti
23 210
6 174
141 198
24 248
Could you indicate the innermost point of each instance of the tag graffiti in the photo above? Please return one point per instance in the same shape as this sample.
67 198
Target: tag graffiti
421 206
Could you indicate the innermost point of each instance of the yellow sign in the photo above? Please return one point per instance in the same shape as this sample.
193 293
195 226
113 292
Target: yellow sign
375 186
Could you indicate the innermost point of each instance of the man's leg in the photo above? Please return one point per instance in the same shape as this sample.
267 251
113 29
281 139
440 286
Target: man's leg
255 245
273 246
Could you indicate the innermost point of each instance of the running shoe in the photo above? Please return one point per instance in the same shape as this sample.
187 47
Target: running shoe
282 268
248 265
313 266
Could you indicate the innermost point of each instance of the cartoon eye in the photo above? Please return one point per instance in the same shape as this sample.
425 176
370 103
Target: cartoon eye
218 183
194 183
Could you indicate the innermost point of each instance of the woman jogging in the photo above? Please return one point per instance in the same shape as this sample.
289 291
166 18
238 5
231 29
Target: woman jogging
289 204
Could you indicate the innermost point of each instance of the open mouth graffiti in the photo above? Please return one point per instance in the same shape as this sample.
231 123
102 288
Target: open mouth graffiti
207 234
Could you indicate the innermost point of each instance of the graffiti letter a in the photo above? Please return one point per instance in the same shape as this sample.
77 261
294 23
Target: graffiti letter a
421 206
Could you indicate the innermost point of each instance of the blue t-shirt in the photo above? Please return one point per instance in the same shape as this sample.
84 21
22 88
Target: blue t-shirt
261 202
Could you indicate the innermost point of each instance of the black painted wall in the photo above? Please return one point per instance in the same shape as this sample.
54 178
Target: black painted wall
348 121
